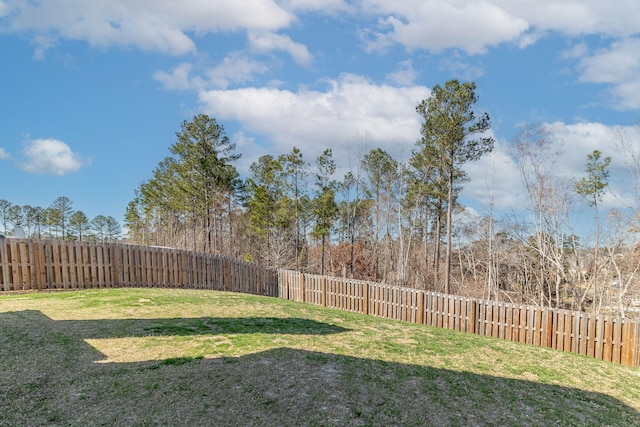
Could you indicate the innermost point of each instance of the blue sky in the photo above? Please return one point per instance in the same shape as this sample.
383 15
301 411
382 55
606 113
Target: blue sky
92 92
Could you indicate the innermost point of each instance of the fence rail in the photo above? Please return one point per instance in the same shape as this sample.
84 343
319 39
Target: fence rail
53 264
609 338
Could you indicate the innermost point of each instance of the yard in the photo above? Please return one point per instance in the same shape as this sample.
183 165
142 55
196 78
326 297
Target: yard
179 357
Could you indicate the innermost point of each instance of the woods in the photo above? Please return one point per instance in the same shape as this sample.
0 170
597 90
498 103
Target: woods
394 221
58 221
386 219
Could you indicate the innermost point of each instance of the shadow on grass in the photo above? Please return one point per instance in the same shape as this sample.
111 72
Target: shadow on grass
109 328
47 376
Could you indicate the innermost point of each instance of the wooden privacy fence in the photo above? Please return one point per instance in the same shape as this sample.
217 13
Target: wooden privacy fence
609 338
55 264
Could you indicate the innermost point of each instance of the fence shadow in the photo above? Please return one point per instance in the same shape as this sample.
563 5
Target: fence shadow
48 376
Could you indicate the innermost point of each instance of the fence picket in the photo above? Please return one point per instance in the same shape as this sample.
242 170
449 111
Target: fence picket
607 340
616 354
4 265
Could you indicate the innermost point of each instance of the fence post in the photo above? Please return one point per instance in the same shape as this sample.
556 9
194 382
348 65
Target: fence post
227 267
286 285
323 297
420 313
635 353
365 298
472 316
4 263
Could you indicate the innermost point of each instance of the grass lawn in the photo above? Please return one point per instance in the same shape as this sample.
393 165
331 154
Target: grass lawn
193 358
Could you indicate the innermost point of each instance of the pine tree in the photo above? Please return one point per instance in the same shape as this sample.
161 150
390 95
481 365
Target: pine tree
61 210
453 135
324 206
79 223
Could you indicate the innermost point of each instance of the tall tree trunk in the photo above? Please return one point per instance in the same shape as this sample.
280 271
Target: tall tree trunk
322 257
353 241
595 261
436 254
447 268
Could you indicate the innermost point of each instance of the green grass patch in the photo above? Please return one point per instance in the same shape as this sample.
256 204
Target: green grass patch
177 357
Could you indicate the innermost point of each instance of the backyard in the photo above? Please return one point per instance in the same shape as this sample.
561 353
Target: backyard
188 357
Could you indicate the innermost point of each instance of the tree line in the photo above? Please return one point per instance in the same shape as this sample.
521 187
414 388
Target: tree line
58 221
396 222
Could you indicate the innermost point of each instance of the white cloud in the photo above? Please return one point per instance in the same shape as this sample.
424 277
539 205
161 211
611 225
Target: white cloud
42 44
435 25
574 142
50 157
616 18
3 154
313 120
496 177
235 68
473 26
530 38
578 51
160 25
179 78
405 75
325 6
460 68
250 150
267 42
470 25
619 66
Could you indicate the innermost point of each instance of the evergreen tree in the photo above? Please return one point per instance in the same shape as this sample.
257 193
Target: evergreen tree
16 216
452 134
112 229
78 224
191 195
354 213
4 211
428 189
204 156
99 227
295 173
324 206
61 209
264 192
381 172
39 217
29 213
135 222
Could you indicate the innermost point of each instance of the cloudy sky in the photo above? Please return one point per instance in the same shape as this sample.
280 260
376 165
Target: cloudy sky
92 92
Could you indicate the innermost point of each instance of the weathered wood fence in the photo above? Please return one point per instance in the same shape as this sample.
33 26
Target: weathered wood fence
609 338
53 264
